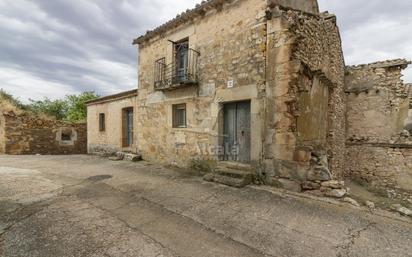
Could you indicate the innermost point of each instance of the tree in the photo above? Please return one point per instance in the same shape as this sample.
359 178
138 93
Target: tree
71 108
54 108
77 109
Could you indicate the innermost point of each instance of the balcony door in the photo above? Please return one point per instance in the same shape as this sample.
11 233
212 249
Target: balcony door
181 60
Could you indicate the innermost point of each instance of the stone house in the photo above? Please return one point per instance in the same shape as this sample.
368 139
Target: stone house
110 123
251 85
25 133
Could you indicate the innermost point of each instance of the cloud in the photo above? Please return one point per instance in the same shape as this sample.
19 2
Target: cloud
51 48
374 30
59 47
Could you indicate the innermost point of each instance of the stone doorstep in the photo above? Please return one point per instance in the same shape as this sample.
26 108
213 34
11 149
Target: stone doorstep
235 166
234 173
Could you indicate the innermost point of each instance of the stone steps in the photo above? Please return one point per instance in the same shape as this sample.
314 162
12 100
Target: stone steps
231 174
126 156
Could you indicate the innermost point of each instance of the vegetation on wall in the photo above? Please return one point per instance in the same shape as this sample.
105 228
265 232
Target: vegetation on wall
70 108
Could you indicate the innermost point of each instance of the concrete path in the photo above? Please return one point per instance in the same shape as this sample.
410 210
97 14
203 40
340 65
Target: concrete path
89 206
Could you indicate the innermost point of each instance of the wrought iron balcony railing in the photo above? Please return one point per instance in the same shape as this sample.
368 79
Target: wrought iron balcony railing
181 72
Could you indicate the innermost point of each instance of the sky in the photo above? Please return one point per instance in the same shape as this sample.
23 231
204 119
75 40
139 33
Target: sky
51 48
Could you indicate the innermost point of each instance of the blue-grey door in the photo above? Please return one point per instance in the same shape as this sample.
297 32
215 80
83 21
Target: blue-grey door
237 131
128 127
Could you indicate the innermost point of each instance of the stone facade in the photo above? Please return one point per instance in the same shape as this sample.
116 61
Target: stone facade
285 58
109 141
29 134
379 149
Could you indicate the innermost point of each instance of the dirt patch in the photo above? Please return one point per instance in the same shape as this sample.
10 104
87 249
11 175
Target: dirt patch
363 192
99 178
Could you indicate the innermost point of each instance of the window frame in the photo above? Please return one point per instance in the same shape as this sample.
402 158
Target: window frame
102 122
175 120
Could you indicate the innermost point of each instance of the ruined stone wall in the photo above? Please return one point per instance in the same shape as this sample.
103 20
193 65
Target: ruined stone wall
305 91
408 122
319 48
377 102
108 141
383 166
2 135
29 134
232 44
379 152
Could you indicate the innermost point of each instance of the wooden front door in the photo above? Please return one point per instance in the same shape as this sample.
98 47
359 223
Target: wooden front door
237 132
127 127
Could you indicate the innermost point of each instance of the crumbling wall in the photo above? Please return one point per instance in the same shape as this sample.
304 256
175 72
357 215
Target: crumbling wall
377 100
305 71
29 134
383 166
378 149
408 122
2 135
319 48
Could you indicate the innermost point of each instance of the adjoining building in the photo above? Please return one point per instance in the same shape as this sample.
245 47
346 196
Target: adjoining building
260 84
111 122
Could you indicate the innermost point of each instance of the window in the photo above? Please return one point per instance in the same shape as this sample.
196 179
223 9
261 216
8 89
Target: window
66 136
102 122
179 115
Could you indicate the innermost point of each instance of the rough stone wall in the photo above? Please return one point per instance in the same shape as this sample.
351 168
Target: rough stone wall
375 94
319 48
305 89
2 134
379 151
232 43
408 122
29 134
384 166
110 140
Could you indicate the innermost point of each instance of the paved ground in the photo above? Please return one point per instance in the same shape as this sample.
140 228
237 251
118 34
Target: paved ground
89 206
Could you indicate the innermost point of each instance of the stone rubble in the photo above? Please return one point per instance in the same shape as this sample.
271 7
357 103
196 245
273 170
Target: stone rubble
402 210
351 201
370 205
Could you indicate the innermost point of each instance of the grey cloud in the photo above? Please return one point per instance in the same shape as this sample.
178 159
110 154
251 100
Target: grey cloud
374 30
83 45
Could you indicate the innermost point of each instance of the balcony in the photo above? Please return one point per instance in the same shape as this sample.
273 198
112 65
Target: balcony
180 73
